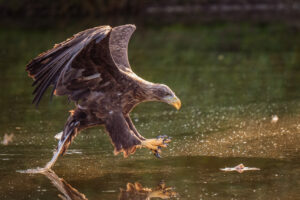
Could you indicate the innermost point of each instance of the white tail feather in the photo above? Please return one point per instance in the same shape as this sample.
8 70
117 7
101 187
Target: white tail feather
58 135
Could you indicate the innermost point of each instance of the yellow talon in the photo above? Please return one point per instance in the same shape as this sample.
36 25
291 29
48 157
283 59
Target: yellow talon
155 145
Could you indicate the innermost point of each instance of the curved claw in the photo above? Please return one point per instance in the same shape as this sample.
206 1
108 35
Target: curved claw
166 140
162 136
157 155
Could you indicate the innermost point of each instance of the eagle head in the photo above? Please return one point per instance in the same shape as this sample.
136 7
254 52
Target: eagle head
163 93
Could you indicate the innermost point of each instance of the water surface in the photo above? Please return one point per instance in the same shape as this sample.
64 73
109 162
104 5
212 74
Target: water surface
231 79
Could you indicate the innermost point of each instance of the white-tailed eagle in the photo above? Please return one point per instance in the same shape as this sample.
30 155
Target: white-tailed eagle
92 69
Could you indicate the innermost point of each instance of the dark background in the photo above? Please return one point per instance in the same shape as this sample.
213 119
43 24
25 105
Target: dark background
51 13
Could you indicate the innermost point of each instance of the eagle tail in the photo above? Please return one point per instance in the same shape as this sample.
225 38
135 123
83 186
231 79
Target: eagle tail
69 133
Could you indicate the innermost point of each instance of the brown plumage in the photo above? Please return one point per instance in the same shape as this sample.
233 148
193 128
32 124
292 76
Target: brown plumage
92 69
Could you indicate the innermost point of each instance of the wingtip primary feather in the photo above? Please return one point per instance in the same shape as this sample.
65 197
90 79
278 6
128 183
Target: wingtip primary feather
130 25
45 69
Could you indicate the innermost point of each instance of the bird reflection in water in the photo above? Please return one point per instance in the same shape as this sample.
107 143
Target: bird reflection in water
69 193
133 191
137 192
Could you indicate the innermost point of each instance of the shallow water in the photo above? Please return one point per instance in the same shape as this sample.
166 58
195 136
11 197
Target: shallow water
231 79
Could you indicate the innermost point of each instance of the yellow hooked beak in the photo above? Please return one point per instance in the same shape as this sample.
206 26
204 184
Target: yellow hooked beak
174 101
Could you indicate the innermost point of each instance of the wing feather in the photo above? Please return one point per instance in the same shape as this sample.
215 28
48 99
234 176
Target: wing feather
118 44
76 61
47 67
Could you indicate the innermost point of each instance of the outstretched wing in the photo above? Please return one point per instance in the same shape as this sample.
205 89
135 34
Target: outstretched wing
118 44
76 66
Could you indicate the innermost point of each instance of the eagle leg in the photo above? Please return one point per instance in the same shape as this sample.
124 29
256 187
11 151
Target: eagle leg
122 137
132 127
155 145
156 150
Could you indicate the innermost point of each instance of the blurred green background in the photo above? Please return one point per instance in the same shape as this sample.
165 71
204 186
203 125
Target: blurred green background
234 64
